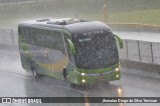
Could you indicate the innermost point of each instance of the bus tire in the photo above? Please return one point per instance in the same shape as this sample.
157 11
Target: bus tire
37 74
73 85
158 72
65 73
34 70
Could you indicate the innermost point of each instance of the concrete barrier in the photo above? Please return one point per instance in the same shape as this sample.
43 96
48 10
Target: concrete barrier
145 50
136 27
123 53
156 52
140 51
133 50
9 36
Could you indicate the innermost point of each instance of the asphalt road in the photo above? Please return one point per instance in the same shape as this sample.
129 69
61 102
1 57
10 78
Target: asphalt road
16 82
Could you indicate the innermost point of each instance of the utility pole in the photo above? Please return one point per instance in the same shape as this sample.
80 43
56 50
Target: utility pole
105 13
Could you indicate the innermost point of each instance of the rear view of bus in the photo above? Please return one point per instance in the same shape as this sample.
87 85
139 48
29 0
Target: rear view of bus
82 52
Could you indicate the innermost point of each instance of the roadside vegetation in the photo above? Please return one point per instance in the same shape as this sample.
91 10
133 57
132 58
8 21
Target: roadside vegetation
119 11
150 16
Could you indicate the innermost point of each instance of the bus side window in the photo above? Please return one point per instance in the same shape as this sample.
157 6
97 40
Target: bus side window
67 48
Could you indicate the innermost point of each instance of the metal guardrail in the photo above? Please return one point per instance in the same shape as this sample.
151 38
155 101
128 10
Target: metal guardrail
134 50
9 36
141 51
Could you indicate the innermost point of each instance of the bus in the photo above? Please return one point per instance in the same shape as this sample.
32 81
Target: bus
79 51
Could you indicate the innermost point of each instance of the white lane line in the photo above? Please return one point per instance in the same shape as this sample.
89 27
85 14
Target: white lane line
85 93
30 77
16 74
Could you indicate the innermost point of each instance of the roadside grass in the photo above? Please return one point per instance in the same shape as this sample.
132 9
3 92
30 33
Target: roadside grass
151 16
11 15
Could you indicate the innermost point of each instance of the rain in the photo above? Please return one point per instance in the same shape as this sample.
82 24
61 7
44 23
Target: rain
85 58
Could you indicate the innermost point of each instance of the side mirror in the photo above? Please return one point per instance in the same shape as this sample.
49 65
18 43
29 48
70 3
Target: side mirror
66 33
119 40
71 47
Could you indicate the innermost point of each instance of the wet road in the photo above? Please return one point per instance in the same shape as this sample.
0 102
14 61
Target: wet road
16 82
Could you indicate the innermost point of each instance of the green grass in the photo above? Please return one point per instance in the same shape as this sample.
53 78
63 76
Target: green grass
151 16
122 11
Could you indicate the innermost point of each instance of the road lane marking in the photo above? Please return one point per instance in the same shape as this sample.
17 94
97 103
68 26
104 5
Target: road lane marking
17 74
85 93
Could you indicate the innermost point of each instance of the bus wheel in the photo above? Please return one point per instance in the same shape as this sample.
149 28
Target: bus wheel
76 86
37 76
73 85
34 72
65 75
158 73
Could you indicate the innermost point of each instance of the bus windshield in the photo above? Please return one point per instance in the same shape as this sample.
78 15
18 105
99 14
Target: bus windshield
96 51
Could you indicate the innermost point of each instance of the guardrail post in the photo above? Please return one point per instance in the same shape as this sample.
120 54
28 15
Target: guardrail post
3 36
139 51
2 40
127 50
152 52
158 53
12 36
105 13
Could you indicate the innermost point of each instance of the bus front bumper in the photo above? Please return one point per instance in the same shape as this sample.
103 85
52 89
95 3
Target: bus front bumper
82 78
101 78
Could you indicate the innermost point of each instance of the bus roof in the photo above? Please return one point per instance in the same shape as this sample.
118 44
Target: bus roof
72 25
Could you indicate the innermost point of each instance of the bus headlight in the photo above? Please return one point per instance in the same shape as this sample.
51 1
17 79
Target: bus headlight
83 80
83 74
116 69
27 52
117 76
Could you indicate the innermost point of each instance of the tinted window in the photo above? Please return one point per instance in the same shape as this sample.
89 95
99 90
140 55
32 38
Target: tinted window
96 51
46 38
